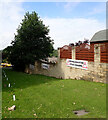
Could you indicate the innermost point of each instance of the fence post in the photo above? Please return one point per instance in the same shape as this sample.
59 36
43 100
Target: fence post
58 52
96 53
96 63
73 53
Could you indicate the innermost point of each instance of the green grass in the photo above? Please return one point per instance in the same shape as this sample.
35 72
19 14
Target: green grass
49 97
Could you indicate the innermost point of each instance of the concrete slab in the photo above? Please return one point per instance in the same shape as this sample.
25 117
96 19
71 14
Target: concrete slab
80 112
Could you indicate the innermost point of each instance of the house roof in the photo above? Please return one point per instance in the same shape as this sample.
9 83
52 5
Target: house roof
100 36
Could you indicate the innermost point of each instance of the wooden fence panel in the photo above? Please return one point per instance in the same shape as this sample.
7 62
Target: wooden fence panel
85 52
66 52
104 53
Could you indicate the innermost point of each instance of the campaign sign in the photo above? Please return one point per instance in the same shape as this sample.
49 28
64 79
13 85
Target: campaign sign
45 66
82 64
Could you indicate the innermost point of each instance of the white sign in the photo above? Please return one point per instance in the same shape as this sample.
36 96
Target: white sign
45 66
31 67
82 64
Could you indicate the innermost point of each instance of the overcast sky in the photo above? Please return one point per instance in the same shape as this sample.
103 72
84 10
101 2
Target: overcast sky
68 22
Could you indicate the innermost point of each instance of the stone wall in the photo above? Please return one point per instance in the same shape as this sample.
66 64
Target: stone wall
96 71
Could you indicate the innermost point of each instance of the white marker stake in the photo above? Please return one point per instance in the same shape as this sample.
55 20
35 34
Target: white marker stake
9 85
13 97
7 79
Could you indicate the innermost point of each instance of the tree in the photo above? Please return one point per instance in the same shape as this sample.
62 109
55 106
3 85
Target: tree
5 54
54 53
71 44
86 41
31 42
79 42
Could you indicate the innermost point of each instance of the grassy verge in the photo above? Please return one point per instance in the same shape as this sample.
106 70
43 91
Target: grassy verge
39 96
